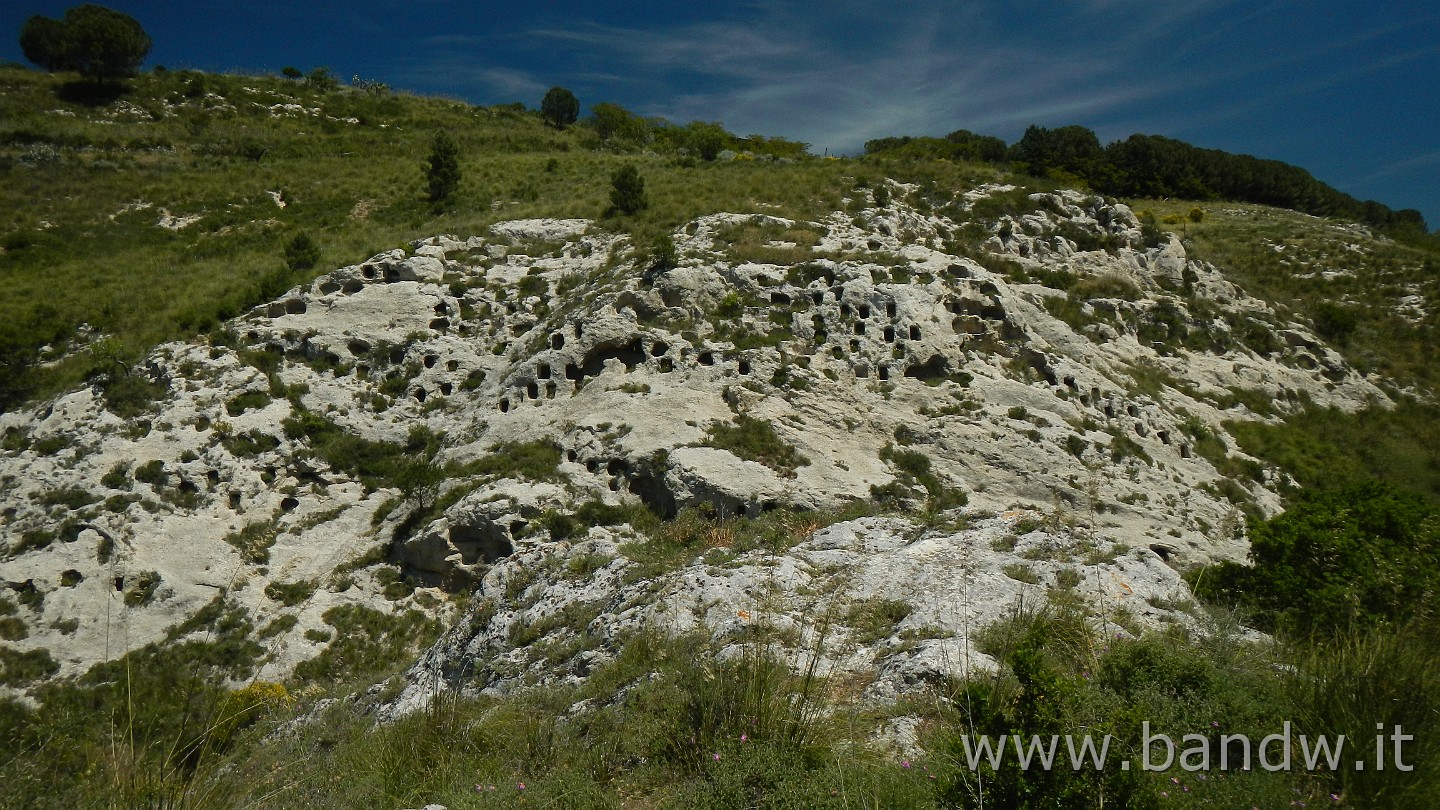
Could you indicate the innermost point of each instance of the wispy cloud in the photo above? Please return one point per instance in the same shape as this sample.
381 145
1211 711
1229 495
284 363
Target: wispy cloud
1400 167
1240 75
917 72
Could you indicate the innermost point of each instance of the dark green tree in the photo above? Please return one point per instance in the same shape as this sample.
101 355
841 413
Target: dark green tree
101 43
43 41
627 191
1072 149
301 253
442 169
105 44
706 139
613 122
560 107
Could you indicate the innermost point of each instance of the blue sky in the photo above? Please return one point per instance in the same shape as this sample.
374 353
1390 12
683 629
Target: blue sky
1348 90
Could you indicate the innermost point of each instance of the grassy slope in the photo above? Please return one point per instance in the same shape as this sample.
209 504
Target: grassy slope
143 284
1349 284
211 145
1309 265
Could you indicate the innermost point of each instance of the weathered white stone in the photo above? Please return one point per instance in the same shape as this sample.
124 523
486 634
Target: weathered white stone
898 344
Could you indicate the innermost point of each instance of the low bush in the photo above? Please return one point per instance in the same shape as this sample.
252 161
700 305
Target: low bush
755 440
1335 560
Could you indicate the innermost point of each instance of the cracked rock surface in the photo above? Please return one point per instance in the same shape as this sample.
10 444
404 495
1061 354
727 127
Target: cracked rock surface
869 344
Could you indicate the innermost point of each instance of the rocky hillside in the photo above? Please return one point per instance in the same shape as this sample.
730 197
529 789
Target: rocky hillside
514 429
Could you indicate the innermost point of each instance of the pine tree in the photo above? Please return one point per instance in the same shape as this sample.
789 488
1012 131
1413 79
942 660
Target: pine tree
442 172
627 191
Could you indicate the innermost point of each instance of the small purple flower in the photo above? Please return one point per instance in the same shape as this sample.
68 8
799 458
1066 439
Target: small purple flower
744 738
716 757
521 786
904 763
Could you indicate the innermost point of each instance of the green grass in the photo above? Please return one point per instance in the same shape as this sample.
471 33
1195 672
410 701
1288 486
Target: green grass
1354 307
1326 448
369 645
667 725
756 440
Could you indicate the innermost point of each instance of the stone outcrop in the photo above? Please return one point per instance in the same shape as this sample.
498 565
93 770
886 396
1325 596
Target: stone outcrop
887 337
944 585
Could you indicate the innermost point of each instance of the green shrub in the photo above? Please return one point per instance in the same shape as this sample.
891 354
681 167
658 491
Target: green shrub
730 306
250 400
442 168
874 619
1123 447
290 594
1352 557
12 628
254 540
152 472
128 393
755 440
914 469
23 668
627 191
118 477
72 498
1334 322
249 444
368 644
564 526
301 252
537 460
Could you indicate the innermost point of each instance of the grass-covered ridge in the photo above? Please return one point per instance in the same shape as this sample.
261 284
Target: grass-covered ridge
261 160
264 181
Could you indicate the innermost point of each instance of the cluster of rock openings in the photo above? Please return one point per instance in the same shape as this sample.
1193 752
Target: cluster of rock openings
1109 405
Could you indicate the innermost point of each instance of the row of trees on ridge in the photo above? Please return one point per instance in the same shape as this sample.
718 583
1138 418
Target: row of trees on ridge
1155 166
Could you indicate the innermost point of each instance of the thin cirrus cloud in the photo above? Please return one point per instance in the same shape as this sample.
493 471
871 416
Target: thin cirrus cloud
914 75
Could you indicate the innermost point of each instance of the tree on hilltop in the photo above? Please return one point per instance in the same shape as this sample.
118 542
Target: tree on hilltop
100 43
43 41
560 107
613 122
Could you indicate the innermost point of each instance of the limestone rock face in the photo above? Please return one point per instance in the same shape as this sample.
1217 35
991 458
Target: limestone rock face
558 369
939 587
